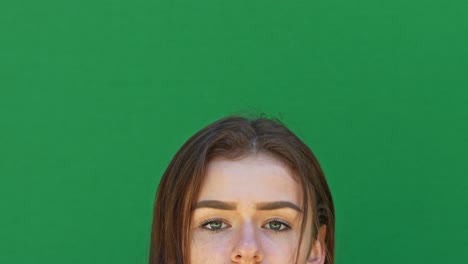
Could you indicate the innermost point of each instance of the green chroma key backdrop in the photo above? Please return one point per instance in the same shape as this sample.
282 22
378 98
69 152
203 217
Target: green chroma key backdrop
97 96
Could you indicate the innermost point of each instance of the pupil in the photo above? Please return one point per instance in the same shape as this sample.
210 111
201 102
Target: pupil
275 225
215 225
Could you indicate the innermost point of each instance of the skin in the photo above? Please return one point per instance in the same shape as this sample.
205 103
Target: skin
249 211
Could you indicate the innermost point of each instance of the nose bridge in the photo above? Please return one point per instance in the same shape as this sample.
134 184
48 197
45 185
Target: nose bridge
248 234
248 246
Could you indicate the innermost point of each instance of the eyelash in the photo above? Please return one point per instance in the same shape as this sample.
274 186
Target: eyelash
211 220
285 225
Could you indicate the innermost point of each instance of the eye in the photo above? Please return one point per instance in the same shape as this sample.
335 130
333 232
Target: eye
277 225
215 225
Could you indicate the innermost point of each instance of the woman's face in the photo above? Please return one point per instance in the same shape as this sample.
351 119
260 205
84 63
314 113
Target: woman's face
249 211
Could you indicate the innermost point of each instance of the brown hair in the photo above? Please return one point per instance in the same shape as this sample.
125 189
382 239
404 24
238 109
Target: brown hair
232 137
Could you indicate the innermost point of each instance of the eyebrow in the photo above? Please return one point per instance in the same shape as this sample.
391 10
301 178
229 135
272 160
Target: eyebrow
266 206
215 205
278 205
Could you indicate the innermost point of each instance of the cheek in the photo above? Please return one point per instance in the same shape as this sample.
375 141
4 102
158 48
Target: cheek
279 248
209 248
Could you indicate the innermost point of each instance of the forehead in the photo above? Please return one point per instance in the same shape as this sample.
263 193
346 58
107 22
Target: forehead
253 178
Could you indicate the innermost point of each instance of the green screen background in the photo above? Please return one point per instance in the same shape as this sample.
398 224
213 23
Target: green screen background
97 96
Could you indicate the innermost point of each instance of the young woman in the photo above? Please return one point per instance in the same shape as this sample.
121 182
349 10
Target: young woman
243 191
